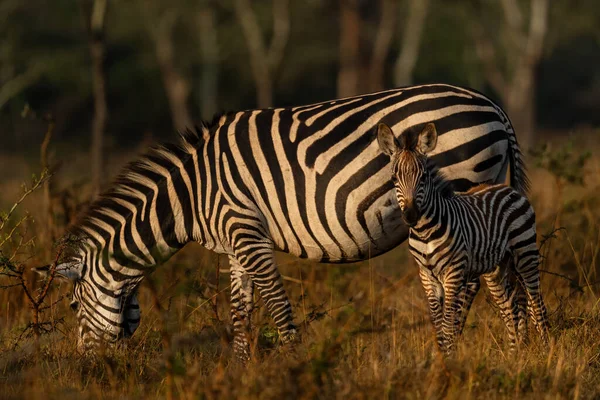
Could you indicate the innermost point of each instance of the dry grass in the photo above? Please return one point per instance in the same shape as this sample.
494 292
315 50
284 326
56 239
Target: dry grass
365 331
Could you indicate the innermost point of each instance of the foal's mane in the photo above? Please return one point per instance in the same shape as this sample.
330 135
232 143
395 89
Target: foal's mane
441 183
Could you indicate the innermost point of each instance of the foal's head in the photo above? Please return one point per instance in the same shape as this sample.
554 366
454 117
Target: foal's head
410 174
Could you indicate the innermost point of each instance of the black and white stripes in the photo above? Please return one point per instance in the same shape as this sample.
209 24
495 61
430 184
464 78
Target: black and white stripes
307 180
456 238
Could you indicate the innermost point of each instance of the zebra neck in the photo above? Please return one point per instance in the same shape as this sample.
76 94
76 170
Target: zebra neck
149 214
435 212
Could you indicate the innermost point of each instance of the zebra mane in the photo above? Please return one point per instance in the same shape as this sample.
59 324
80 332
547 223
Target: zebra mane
148 164
441 183
157 155
203 131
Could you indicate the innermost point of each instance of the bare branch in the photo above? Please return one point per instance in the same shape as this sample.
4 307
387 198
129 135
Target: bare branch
262 61
52 272
512 15
36 185
486 51
17 84
411 42
12 231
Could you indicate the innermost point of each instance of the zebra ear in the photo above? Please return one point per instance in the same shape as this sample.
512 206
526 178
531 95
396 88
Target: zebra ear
427 138
68 271
387 142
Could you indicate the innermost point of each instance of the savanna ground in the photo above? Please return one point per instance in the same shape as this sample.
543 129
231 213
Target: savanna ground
365 327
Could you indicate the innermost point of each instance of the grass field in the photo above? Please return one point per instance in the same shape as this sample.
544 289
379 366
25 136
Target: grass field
365 331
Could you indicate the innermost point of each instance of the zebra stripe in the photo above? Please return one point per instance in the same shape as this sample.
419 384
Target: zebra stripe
455 238
306 180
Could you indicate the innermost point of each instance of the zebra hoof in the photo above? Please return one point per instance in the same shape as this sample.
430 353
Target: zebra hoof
290 336
241 348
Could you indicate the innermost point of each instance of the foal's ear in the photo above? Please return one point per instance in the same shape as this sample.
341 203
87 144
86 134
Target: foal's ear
68 271
387 142
427 138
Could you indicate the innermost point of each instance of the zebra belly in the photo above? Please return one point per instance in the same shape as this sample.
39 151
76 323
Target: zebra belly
359 234
384 231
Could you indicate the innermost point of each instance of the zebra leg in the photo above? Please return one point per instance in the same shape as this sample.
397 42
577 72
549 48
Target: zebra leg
455 291
435 297
504 295
255 256
242 304
471 290
527 268
521 300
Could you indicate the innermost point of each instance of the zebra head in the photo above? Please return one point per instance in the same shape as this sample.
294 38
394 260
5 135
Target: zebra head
410 174
103 316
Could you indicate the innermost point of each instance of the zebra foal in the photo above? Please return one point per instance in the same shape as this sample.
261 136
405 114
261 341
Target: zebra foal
456 238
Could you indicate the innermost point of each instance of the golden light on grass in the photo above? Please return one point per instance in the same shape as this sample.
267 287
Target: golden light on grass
365 330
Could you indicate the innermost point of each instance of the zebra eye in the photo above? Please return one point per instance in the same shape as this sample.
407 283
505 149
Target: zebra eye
74 305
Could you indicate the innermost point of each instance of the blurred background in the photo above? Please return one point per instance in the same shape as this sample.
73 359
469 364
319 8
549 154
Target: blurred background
133 70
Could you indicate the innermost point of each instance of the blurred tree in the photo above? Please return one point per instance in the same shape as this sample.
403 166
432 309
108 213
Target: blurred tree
381 45
13 78
512 72
362 53
45 60
264 59
96 28
411 42
568 92
349 50
209 49
160 22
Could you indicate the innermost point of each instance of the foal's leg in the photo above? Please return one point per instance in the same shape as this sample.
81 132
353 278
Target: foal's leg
471 289
503 294
456 295
520 298
435 297
527 264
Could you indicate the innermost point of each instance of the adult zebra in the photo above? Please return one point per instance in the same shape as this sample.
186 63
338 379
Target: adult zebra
306 180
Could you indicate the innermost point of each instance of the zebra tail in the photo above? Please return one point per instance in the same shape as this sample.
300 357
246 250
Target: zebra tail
518 170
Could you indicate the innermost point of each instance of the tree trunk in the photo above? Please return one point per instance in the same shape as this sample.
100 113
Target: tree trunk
381 47
524 50
176 86
264 61
209 48
411 42
520 106
522 89
349 56
97 50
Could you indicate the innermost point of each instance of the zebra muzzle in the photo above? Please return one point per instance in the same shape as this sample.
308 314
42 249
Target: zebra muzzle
411 215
